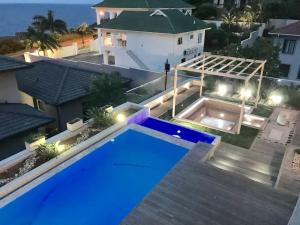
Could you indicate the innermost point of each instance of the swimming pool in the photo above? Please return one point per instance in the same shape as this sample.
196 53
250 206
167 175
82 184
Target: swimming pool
177 131
100 188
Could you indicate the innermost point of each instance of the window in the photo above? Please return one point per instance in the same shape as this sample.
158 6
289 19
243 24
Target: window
111 60
288 46
285 69
200 38
191 36
298 73
38 104
183 60
179 41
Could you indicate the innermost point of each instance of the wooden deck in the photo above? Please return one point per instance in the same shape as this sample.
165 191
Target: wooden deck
199 193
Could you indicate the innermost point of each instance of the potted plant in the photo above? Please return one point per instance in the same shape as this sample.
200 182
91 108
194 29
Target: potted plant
34 140
75 124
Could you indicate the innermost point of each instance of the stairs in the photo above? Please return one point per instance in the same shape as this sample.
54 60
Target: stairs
137 60
255 165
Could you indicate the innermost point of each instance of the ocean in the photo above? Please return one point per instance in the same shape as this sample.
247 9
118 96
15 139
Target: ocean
17 17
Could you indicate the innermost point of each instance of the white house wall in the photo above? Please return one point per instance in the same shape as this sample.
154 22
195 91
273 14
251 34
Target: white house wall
292 59
154 49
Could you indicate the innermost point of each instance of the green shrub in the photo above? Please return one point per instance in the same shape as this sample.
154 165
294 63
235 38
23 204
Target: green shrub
102 118
10 46
46 152
34 137
297 151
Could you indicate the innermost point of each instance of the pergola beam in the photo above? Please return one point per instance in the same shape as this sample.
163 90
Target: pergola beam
210 68
226 65
245 68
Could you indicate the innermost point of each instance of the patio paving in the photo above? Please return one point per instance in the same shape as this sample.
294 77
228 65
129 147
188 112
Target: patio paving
198 193
277 133
166 106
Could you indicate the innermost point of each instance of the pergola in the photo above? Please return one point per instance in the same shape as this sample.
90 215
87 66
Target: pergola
223 66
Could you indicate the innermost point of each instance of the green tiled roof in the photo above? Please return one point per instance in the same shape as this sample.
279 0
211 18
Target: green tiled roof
174 22
151 4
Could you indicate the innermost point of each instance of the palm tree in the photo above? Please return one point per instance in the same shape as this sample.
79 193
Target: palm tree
248 15
41 40
84 30
229 18
49 23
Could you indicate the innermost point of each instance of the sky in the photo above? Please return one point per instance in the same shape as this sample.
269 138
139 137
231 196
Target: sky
52 1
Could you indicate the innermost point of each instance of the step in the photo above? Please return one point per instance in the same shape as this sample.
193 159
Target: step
245 162
250 174
254 155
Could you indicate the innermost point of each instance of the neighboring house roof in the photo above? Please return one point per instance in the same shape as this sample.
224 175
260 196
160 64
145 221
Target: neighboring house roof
16 118
8 63
56 82
292 29
149 4
169 21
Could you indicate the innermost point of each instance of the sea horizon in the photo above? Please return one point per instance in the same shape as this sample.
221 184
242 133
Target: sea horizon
16 17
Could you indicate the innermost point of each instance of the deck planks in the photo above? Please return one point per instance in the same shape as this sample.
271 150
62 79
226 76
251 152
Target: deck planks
198 193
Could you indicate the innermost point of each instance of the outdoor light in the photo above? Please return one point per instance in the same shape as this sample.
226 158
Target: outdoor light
121 117
222 89
61 148
101 13
246 93
276 99
222 115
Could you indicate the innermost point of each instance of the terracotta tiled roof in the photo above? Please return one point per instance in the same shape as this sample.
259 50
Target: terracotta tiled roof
292 29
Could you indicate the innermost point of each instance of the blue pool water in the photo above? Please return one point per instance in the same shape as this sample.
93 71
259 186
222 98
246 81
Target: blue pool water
177 131
99 189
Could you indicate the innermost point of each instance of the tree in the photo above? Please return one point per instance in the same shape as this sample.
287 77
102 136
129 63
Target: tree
50 24
83 30
206 11
106 90
229 18
262 49
41 40
248 15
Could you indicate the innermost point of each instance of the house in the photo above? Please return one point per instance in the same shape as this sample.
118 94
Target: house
144 34
288 38
16 122
58 89
8 84
229 3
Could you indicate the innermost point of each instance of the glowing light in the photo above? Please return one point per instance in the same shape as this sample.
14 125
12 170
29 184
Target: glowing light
179 131
222 89
222 115
246 93
101 13
60 148
276 99
121 117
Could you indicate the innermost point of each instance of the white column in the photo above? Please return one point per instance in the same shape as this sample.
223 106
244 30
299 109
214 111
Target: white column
175 94
259 86
242 109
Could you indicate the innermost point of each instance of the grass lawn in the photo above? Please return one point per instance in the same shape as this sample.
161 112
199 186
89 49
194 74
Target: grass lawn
263 110
244 139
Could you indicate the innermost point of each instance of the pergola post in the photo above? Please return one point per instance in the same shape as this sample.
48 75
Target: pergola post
242 110
259 86
202 76
175 94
